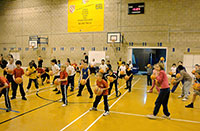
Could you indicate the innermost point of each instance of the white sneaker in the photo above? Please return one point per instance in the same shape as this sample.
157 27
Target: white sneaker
151 116
106 113
166 117
60 100
93 109
27 90
180 96
63 105
185 99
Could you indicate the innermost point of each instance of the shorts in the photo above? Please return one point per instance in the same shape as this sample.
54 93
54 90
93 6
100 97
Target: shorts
197 92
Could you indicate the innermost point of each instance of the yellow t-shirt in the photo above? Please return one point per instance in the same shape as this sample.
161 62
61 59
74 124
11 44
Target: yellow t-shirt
34 75
119 63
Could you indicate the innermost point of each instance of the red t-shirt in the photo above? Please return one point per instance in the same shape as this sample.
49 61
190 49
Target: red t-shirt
3 80
63 75
40 70
18 72
103 84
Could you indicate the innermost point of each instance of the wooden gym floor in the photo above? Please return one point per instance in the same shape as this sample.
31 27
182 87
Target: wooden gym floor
127 112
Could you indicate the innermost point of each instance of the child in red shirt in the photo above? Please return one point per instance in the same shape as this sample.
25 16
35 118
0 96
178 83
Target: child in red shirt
18 72
101 83
4 89
63 84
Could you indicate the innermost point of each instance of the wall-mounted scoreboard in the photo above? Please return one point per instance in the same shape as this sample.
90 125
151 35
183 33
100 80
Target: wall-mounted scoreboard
135 8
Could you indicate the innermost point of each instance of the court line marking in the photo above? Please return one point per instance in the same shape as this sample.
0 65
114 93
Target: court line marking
87 111
110 106
132 114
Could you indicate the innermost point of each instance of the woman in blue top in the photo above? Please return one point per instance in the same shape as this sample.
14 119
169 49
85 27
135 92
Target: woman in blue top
85 74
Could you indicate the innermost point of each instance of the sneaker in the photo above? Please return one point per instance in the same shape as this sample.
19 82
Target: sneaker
63 105
166 117
149 91
55 89
106 113
129 91
93 109
151 116
91 96
8 110
27 90
12 98
190 105
24 98
60 100
79 95
58 92
185 99
181 96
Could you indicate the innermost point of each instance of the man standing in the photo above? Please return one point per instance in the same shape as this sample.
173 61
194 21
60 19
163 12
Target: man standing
86 57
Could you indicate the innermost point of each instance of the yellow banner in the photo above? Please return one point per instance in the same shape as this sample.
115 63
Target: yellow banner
85 15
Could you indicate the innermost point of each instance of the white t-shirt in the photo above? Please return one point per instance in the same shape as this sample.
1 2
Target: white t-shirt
93 63
70 68
130 66
103 67
173 69
122 68
54 69
11 66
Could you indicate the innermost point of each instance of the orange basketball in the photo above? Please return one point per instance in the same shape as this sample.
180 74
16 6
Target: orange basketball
83 82
56 82
27 73
193 72
18 80
148 65
48 81
153 77
111 79
157 83
196 86
128 69
101 71
126 78
81 66
74 66
98 91
170 73
122 72
172 81
39 74
10 71
162 58
178 75
51 73
92 66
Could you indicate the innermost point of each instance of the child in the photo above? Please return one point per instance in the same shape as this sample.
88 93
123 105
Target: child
74 65
18 72
155 72
149 72
42 72
119 63
103 85
109 66
85 74
163 96
196 92
187 82
32 77
34 65
173 70
130 75
56 73
64 84
122 68
10 67
112 74
104 68
71 74
4 89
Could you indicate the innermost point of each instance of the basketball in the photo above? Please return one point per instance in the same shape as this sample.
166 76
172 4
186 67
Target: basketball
81 66
162 58
111 79
170 73
122 72
18 80
129 69
193 72
51 73
148 65
172 81
27 73
83 82
196 86
10 71
48 81
56 82
178 75
126 78
39 74
153 77
101 71
92 66
98 91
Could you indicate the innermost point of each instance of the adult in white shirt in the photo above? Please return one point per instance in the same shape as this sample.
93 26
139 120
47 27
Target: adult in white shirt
56 71
71 74
122 68
130 64
93 66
